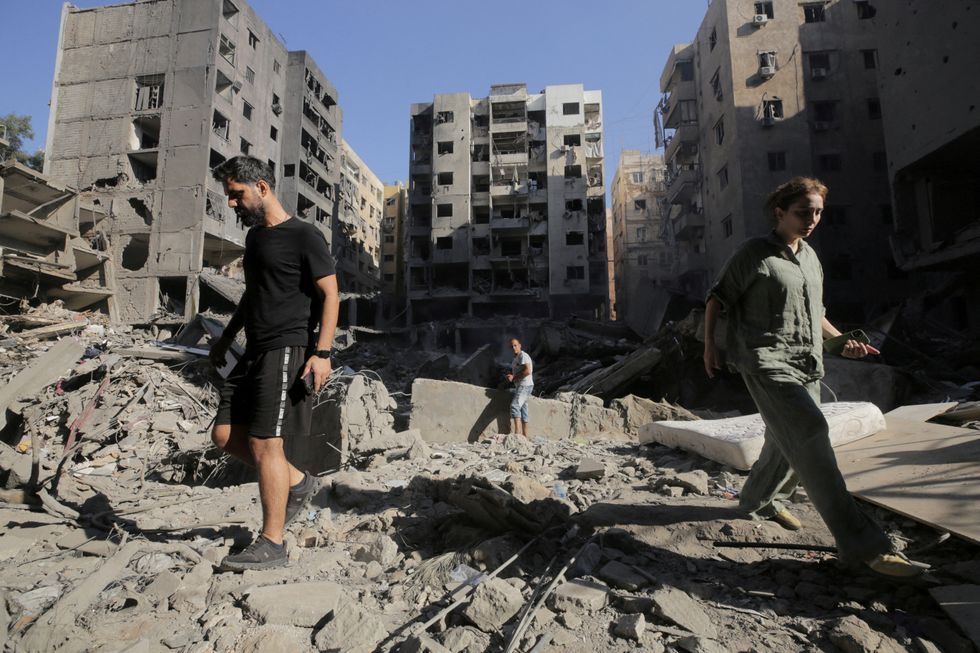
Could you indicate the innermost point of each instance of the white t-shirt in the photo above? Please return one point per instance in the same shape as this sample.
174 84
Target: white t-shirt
515 367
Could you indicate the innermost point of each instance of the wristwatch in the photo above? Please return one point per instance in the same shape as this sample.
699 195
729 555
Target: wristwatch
325 353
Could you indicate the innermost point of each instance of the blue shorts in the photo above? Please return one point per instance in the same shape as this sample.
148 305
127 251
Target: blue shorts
518 405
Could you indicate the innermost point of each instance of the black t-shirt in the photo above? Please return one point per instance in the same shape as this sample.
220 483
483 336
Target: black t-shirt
282 264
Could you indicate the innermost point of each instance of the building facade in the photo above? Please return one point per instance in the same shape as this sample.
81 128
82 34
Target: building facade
392 252
932 136
507 205
147 97
357 227
642 256
769 90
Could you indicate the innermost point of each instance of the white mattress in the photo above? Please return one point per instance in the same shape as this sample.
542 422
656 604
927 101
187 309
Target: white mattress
737 441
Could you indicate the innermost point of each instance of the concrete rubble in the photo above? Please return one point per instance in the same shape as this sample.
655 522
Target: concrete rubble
428 532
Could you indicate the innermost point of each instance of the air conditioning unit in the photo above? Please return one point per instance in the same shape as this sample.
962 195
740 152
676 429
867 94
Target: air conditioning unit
821 126
768 121
767 72
759 20
818 73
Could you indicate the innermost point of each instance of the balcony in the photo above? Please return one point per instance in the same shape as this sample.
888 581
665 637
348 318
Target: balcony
480 198
688 226
682 183
509 224
510 158
684 135
504 190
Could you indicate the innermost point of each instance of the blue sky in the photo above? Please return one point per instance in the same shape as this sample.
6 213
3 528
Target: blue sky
383 55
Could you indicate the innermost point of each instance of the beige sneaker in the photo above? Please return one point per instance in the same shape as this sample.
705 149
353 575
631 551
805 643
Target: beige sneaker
896 565
786 519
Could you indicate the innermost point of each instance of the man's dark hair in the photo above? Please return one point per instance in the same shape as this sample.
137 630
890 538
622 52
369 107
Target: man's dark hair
245 170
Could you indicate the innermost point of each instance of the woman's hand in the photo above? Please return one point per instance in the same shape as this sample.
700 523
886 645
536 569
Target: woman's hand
857 349
712 359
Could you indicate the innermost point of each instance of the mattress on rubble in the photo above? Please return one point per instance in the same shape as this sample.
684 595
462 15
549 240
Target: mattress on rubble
737 441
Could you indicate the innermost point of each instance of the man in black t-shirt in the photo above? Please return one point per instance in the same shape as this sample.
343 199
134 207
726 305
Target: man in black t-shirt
290 289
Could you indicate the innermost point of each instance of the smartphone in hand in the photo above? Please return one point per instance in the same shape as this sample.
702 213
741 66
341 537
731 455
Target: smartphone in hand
836 344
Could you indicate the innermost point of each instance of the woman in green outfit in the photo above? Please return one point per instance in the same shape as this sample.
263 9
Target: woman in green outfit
771 291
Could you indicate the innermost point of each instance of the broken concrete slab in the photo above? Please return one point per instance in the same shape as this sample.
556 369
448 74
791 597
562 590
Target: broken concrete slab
606 381
351 629
852 635
639 411
446 411
579 596
494 603
590 468
962 604
677 606
622 576
46 369
737 441
630 626
381 549
920 412
296 604
694 481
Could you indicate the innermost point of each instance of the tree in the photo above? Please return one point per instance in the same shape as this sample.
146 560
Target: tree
19 129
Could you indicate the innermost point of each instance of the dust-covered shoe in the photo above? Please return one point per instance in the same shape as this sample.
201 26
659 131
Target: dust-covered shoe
786 519
299 496
262 553
896 565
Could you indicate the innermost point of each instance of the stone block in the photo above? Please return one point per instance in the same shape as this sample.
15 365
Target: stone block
676 606
295 604
579 596
494 603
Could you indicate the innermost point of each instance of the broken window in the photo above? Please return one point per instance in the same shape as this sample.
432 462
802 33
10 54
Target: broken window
481 246
215 159
777 161
444 242
481 183
537 181
641 234
815 12
575 238
136 252
481 152
686 70
874 108
772 110
573 205
639 205
865 9
444 117
764 8
720 131
570 108
573 272
819 65
510 142
829 162
149 92
723 177
229 10
444 179
253 40
247 110
146 133
245 146
595 176
510 247
505 112
289 170
481 215
422 215
727 228
825 111
713 39
637 177
273 133
444 210
716 85
573 172
767 64
249 75
305 207
223 86
573 140
227 49
870 58
444 147
220 125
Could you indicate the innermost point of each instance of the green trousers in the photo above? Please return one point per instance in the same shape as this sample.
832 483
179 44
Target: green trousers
797 451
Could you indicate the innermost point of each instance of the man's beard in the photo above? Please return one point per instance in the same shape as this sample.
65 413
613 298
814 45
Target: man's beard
251 217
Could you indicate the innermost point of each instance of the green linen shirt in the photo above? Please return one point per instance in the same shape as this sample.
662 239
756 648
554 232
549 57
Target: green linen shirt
773 300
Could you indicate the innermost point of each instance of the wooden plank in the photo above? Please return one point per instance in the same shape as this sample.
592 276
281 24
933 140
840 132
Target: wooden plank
927 472
962 604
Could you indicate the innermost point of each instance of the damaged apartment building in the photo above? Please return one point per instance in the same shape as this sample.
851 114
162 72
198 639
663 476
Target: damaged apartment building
147 98
642 257
506 212
768 90
357 232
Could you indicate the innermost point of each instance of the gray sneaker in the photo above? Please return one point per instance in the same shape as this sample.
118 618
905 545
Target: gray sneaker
262 553
299 497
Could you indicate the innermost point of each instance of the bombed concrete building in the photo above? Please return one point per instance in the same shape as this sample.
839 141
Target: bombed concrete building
357 225
929 101
507 204
642 256
147 97
392 251
768 90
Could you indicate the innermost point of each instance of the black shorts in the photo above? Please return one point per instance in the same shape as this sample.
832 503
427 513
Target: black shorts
265 392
